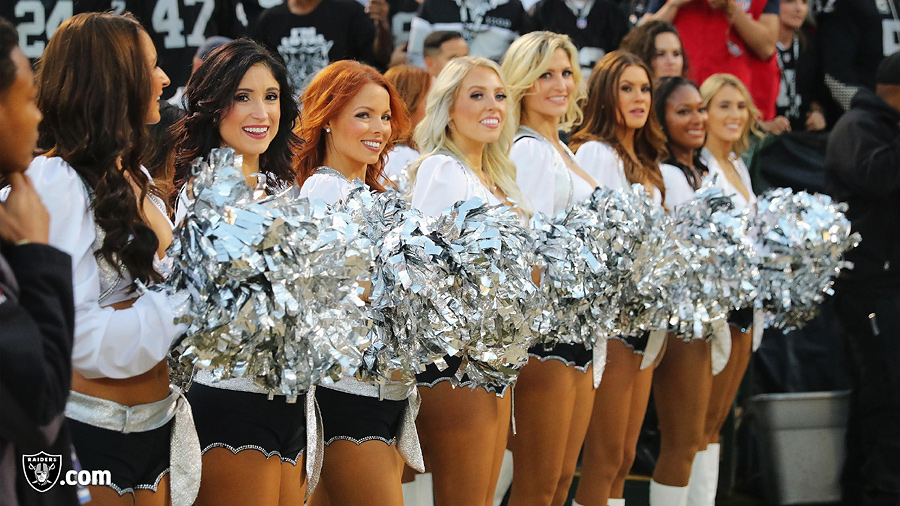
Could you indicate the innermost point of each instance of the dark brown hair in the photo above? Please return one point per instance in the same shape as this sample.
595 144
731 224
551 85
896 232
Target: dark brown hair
327 94
642 42
412 83
603 121
209 95
94 90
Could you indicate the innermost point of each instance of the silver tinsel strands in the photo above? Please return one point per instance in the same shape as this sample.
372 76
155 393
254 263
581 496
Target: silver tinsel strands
272 283
573 276
803 238
722 273
638 240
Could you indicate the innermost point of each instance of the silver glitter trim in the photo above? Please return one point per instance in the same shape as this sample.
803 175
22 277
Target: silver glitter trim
570 363
257 448
130 490
360 441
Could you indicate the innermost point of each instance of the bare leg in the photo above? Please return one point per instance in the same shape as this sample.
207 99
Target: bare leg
545 399
581 417
501 437
640 397
150 498
725 385
682 384
293 484
247 477
106 496
458 432
362 475
605 440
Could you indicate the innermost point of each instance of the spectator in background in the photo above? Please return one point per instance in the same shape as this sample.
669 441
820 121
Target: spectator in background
488 26
400 17
727 36
595 26
863 163
799 104
413 85
441 47
856 35
36 307
201 54
658 44
309 34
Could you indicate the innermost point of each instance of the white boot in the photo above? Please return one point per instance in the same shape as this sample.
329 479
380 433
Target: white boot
614 502
698 485
666 495
712 472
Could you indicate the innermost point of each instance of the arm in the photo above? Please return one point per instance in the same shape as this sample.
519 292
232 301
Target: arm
440 183
759 35
108 343
534 173
383 44
601 162
667 11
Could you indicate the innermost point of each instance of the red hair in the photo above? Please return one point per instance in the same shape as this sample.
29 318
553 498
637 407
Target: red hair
324 98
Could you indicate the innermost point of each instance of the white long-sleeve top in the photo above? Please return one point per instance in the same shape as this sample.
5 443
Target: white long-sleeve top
442 181
397 162
740 202
543 175
678 190
108 343
602 163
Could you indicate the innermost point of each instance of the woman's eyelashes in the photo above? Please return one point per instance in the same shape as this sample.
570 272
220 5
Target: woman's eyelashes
477 95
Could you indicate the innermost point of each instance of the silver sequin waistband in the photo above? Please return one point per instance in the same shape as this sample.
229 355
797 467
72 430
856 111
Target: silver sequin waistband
184 457
392 391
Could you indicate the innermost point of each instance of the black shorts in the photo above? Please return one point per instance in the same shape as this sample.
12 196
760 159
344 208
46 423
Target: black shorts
135 461
432 376
637 343
575 355
358 418
741 318
249 421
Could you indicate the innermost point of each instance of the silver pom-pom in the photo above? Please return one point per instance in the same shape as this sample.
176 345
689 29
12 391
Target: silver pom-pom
803 238
273 283
722 273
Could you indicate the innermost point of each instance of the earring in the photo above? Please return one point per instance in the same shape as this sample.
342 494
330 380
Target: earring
327 130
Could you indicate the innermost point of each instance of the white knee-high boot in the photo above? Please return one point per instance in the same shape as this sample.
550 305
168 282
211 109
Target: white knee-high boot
712 472
667 495
698 485
615 502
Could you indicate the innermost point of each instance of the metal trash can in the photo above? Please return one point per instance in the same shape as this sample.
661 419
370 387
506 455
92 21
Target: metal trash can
802 439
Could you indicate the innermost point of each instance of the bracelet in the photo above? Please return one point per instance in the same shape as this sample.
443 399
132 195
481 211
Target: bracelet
22 242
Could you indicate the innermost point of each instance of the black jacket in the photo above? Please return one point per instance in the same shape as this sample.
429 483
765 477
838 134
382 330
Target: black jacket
37 321
863 164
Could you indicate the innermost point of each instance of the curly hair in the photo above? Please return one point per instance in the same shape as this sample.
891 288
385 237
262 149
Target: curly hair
209 95
324 99
603 120
95 116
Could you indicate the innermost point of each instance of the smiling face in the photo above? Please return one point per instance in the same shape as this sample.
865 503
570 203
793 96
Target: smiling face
634 97
20 117
728 114
158 78
555 88
360 130
793 13
669 58
251 123
478 115
686 118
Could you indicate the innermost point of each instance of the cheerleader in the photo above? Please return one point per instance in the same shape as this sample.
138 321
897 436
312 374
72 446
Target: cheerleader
732 119
658 44
104 212
239 97
412 83
683 379
554 392
351 118
465 136
618 144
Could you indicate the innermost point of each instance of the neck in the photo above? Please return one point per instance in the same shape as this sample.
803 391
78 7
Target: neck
301 7
250 168
351 170
786 35
471 150
547 126
682 155
721 149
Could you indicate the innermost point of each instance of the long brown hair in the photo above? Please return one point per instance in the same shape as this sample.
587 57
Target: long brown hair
412 83
95 93
603 121
325 97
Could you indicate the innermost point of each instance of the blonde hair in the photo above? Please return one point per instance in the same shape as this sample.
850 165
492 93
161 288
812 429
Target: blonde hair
528 58
433 132
716 82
